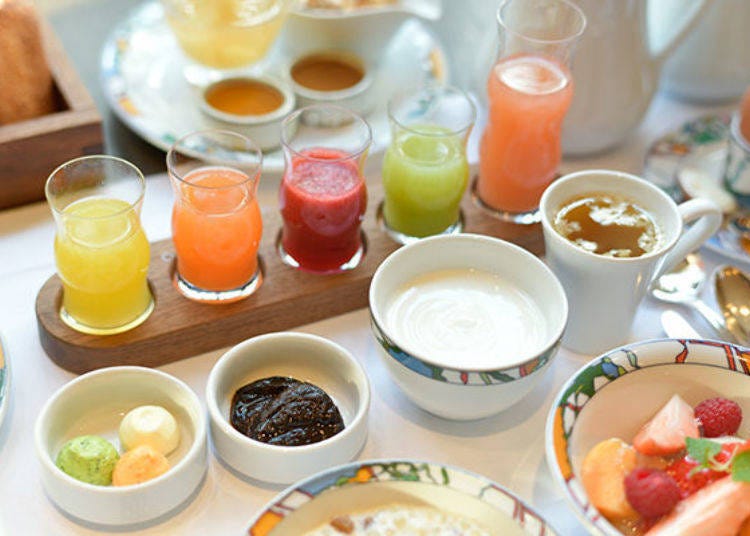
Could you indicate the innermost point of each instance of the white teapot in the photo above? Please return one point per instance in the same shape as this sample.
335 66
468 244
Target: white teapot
616 68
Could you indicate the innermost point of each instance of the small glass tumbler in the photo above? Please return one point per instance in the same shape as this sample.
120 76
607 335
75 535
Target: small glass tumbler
216 220
737 165
425 170
323 196
221 36
530 89
101 251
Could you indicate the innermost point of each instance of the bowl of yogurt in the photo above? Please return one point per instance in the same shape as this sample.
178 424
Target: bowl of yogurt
466 324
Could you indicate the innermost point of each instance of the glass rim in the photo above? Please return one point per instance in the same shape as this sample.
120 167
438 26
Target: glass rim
141 179
285 142
254 177
572 37
453 131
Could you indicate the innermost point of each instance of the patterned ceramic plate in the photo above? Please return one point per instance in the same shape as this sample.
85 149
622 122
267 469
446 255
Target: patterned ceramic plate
367 485
142 79
616 393
700 144
4 382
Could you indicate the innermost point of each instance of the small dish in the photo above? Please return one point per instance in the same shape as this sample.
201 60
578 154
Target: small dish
95 403
227 103
4 382
303 357
333 77
698 146
367 485
504 374
613 395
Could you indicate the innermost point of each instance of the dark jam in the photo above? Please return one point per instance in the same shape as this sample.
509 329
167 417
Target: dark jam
285 411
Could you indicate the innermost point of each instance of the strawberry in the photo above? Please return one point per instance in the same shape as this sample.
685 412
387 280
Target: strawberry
680 470
665 433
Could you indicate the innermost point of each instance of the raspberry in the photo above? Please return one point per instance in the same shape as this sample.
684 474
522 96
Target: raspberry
718 416
651 492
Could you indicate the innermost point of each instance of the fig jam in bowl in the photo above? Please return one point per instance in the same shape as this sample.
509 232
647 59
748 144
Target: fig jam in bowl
285 405
376 496
466 324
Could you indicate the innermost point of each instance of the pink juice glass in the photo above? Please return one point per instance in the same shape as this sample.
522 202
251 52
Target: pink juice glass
323 196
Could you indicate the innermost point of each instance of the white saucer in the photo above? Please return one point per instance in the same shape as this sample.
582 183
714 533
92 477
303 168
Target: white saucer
142 78
700 144
4 382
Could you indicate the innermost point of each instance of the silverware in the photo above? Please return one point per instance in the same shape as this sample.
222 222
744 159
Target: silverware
733 295
683 286
676 327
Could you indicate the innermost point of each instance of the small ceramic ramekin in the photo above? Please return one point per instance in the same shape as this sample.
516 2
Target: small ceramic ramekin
263 129
364 486
358 98
303 357
95 403
470 392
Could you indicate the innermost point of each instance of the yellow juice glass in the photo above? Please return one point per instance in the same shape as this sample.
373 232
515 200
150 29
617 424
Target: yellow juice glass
101 251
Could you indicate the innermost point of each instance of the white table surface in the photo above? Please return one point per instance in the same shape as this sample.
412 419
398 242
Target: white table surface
508 448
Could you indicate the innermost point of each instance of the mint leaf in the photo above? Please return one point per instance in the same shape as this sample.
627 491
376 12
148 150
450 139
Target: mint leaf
702 451
741 467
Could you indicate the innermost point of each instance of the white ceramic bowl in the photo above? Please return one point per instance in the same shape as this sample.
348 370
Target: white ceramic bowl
264 129
616 393
95 403
359 98
367 485
306 358
470 392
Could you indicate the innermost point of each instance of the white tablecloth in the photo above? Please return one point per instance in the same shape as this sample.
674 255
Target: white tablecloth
508 448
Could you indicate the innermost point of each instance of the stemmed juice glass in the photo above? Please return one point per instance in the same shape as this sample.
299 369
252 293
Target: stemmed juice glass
425 170
101 251
323 196
216 220
221 35
530 90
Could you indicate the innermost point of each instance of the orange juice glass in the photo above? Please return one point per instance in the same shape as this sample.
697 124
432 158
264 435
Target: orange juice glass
530 89
216 221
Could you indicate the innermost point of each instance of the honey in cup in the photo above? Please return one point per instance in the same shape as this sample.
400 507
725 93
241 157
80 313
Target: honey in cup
608 225
327 72
244 96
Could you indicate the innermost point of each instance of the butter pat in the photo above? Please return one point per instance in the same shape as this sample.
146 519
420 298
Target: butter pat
139 465
153 426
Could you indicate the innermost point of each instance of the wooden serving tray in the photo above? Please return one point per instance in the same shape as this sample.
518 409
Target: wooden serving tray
31 149
179 328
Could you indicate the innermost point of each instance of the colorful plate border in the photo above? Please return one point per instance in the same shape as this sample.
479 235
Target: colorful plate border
597 374
358 473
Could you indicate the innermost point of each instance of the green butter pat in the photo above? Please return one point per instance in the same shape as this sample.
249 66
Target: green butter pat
89 459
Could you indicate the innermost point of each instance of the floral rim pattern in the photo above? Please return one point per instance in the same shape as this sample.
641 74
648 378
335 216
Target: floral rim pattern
4 382
460 377
394 471
610 367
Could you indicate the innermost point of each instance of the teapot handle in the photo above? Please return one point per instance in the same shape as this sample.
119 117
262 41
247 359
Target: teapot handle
687 24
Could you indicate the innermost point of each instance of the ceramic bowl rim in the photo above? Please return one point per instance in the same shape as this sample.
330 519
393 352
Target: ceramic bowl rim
358 464
337 95
553 340
551 435
239 351
268 118
199 423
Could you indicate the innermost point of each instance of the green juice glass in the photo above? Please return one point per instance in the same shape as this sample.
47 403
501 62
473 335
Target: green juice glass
425 171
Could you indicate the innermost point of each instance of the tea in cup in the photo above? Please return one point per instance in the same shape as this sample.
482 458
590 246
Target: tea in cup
608 235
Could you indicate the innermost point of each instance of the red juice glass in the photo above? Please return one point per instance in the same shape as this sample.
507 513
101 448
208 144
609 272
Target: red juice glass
323 196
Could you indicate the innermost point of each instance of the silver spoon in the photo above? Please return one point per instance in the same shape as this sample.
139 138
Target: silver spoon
683 286
733 296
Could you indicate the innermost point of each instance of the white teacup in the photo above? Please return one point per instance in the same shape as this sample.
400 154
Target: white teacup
604 292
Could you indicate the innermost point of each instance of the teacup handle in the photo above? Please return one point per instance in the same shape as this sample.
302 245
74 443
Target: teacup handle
707 217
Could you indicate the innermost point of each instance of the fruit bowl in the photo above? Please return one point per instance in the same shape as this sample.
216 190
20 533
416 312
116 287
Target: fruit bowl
616 393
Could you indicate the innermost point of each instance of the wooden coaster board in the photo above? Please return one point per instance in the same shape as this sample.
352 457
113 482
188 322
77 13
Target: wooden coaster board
179 328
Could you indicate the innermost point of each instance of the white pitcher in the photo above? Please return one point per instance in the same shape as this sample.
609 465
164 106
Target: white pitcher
616 69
